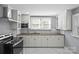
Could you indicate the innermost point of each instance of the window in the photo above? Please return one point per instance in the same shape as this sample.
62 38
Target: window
40 22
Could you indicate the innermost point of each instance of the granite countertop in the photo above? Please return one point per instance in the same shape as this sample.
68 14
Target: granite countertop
38 34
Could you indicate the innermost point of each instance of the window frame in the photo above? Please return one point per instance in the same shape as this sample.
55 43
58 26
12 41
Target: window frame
40 23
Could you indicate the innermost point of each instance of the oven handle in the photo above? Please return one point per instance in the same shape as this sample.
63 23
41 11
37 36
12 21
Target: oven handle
17 43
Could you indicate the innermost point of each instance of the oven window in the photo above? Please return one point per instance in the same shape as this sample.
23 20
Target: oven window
24 25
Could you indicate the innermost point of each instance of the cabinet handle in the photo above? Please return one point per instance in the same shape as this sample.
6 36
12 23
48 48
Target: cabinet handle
34 39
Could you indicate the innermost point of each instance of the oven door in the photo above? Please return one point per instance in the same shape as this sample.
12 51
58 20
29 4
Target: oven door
18 47
24 25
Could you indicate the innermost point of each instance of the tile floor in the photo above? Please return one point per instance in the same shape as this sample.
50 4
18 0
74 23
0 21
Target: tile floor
47 51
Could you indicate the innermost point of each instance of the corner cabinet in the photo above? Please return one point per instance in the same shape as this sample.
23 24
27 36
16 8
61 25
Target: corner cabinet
64 20
44 41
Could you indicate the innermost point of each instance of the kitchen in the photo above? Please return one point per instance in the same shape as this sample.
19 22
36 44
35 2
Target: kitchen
39 29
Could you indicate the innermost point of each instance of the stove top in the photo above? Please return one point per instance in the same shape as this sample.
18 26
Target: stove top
2 37
5 38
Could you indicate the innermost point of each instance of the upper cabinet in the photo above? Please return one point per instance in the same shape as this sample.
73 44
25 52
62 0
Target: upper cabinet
64 20
19 16
75 25
25 18
14 15
75 22
9 13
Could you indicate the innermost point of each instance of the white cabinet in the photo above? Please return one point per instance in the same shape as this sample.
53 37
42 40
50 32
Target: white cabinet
9 13
35 41
51 41
38 41
26 42
18 22
32 41
44 41
25 18
56 41
60 41
75 25
18 16
14 14
64 20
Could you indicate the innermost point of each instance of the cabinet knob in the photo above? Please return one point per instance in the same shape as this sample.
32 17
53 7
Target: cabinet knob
47 39
34 39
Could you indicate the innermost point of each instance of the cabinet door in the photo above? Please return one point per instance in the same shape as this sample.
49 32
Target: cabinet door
19 16
25 18
26 41
60 41
44 40
9 13
64 20
51 41
56 41
38 41
75 25
32 41
14 14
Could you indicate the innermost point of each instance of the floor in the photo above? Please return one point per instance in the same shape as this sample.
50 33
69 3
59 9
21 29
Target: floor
47 51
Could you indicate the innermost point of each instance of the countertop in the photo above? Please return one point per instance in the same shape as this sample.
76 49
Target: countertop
24 34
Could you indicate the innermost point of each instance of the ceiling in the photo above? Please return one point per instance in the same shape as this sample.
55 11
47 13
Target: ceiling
43 9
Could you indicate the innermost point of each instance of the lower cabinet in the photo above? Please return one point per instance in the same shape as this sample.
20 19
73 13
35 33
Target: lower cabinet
44 41
51 41
38 42
32 42
26 42
56 41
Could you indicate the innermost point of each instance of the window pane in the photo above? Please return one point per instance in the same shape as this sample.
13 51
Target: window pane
45 23
40 23
35 23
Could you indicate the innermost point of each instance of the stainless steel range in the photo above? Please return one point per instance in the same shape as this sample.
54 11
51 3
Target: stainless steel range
10 44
